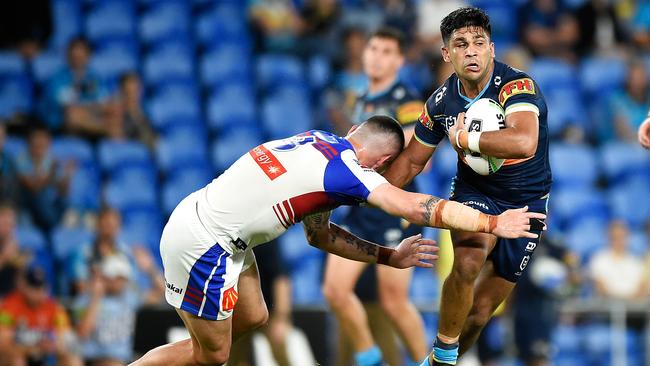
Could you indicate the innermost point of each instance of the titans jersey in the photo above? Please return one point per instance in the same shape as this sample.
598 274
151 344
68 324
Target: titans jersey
397 101
518 180
277 183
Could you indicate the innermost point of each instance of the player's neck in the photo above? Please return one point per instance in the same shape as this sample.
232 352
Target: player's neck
471 89
379 85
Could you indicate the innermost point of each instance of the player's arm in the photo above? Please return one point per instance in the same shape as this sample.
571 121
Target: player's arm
409 163
426 210
644 133
325 235
517 141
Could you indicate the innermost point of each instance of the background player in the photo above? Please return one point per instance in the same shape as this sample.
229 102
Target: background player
485 269
386 94
288 181
644 133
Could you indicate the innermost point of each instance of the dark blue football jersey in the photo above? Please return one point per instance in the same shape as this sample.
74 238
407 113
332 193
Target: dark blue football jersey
396 101
518 180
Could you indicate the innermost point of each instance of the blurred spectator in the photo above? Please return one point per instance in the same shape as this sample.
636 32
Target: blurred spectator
11 260
75 97
85 264
25 25
429 15
8 178
616 272
628 107
601 31
134 122
641 25
44 181
276 289
278 24
548 29
106 314
320 19
399 14
644 132
34 328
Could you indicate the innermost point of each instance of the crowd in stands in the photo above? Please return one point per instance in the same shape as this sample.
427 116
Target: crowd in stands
113 111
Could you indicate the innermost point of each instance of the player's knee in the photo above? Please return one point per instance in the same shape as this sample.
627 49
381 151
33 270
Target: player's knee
468 265
260 318
334 295
211 357
393 299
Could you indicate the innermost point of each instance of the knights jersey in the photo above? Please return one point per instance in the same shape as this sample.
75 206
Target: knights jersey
518 180
277 183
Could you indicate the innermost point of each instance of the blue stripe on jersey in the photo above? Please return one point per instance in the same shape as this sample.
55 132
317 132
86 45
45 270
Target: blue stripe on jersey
343 185
211 263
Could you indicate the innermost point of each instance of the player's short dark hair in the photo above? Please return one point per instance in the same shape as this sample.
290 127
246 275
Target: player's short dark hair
388 125
393 34
464 17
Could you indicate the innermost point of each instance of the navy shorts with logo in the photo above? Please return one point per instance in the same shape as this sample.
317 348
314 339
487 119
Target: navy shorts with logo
510 256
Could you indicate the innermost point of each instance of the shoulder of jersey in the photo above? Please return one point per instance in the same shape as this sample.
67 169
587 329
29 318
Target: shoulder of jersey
511 81
437 96
402 92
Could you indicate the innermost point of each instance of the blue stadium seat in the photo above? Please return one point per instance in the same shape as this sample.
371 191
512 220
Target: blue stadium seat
320 72
66 19
164 20
631 201
587 238
233 144
286 112
553 73
174 105
573 165
621 161
141 226
571 204
182 183
638 243
566 339
424 289
566 108
73 148
11 63
501 17
16 95
278 70
596 82
84 190
225 64
306 280
181 146
14 145
232 106
110 19
444 162
169 61
66 240
224 22
126 194
114 58
45 64
116 154
30 238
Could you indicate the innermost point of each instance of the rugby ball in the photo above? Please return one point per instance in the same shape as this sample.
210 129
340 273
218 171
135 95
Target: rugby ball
484 115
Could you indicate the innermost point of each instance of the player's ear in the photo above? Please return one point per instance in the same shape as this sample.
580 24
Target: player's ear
445 54
352 129
492 49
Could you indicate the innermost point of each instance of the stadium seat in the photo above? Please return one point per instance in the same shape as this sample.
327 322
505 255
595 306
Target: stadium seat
596 82
16 95
110 19
225 64
30 238
45 64
553 73
182 183
141 226
11 63
66 19
424 289
229 146
72 149
574 165
113 59
286 112
565 109
501 17
278 70
444 162
320 72
164 20
181 146
14 146
638 243
169 61
84 190
122 195
223 22
631 201
66 240
174 105
571 204
116 154
232 106
621 161
587 238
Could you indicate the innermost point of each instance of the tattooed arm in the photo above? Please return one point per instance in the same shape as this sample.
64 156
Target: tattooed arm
325 235
426 210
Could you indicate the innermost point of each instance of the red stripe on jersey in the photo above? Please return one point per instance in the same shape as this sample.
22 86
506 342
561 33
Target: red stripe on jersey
309 203
287 207
323 151
275 210
284 218
269 164
328 147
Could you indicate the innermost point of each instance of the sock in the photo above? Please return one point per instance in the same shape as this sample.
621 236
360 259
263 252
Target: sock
369 357
445 353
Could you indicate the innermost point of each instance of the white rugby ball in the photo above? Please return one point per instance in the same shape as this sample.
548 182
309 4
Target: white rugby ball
484 115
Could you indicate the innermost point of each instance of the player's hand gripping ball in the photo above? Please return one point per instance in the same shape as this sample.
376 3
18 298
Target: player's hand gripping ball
484 115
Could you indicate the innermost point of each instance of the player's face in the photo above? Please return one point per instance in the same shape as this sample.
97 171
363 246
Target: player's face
382 58
470 52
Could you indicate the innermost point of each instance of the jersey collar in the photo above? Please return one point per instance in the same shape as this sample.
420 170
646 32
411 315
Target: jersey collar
469 100
379 94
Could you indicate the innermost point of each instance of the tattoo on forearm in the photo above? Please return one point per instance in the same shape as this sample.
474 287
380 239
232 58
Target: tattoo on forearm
429 207
360 244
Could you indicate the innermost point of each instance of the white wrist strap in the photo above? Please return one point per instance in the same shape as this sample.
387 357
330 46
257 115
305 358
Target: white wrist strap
473 139
458 138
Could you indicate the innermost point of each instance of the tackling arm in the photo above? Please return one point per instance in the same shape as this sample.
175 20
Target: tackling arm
409 163
325 235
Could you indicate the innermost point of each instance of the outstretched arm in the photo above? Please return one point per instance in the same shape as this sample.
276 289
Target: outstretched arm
426 210
323 234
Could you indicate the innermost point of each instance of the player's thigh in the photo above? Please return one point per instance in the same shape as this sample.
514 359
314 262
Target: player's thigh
250 309
211 336
341 273
393 283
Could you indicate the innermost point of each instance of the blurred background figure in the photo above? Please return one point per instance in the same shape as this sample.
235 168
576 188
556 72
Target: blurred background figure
34 327
8 177
549 29
643 135
135 123
12 261
616 272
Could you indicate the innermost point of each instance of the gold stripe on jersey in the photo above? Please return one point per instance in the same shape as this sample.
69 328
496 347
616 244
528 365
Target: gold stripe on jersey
422 142
409 112
522 107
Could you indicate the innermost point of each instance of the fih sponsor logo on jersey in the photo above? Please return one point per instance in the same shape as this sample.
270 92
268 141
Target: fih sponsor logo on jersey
519 86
